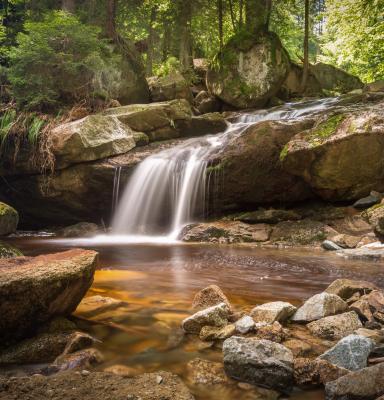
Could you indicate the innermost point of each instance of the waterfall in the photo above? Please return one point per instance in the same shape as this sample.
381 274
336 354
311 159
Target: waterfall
168 190
116 188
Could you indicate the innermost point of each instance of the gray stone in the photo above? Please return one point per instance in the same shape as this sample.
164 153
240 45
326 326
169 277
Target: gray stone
212 316
82 229
335 327
329 245
259 362
350 352
245 324
365 384
319 306
208 297
346 288
278 311
369 201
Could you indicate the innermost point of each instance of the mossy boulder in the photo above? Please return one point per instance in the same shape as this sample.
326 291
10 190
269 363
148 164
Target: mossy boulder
170 87
159 121
9 218
335 79
249 171
8 251
249 71
91 138
36 290
375 217
342 157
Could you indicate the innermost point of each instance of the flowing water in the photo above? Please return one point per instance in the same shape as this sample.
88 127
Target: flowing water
169 190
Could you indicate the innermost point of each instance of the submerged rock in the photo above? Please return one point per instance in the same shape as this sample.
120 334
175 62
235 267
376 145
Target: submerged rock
209 333
249 71
335 327
278 311
45 348
213 316
320 306
366 384
77 360
204 372
259 362
210 296
82 229
92 306
350 352
9 219
55 285
316 372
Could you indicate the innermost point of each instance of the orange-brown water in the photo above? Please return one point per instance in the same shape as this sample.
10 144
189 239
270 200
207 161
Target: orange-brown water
158 282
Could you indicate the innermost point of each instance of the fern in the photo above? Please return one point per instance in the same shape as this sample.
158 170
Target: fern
35 129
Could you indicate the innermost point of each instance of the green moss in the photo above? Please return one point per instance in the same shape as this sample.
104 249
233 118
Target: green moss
5 209
325 130
8 251
284 152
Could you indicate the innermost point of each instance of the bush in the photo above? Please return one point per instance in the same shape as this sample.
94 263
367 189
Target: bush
61 61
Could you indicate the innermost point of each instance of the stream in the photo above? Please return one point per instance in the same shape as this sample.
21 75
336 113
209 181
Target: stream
158 281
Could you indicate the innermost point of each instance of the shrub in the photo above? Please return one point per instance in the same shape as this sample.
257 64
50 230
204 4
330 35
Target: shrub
60 61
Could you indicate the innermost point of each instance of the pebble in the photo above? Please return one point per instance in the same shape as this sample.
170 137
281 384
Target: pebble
84 372
159 379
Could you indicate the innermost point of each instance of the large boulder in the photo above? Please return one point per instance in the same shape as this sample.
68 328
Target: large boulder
160 121
335 79
91 138
350 352
35 290
249 70
375 217
259 362
319 306
366 384
169 87
342 157
9 218
251 170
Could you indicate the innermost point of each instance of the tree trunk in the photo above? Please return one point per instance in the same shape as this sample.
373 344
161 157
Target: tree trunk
69 6
233 19
220 18
256 15
241 18
268 17
151 44
185 54
306 49
111 19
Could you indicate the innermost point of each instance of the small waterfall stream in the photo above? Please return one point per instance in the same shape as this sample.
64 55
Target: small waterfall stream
168 190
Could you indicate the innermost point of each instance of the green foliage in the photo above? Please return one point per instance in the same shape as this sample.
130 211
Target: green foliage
59 61
171 65
34 129
7 120
354 38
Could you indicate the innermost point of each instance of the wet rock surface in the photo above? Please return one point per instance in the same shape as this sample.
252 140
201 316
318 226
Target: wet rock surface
55 284
277 311
259 362
9 219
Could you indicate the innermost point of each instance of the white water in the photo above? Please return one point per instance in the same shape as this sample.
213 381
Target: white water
168 190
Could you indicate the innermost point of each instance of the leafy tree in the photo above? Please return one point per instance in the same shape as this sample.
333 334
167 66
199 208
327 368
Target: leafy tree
354 37
59 61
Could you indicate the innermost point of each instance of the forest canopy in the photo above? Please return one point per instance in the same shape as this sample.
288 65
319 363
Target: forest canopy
58 50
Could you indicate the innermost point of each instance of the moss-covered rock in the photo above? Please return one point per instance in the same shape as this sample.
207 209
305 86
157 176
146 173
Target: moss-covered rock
342 157
91 138
335 79
375 217
271 216
9 218
8 251
169 87
249 70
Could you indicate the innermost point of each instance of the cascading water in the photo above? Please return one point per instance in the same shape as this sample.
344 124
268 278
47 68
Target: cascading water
168 190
